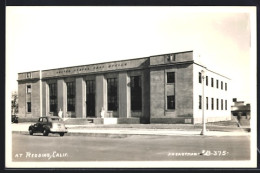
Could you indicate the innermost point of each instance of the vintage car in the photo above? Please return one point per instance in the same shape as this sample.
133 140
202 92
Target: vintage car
49 124
14 119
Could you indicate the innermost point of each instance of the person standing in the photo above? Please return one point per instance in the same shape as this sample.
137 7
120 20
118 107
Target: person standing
60 113
102 112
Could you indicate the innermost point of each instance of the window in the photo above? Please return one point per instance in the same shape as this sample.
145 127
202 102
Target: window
112 94
53 97
199 77
136 93
226 86
217 83
212 103
212 82
217 104
221 104
171 77
170 102
207 80
44 120
28 89
221 85
225 104
29 107
171 57
199 102
71 96
207 103
90 97
28 75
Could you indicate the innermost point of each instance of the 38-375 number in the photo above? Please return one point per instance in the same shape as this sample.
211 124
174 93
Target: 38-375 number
214 153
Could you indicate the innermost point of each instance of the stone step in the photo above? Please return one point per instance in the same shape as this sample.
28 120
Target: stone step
78 121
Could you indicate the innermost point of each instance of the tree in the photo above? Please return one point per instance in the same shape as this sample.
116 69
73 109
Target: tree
14 103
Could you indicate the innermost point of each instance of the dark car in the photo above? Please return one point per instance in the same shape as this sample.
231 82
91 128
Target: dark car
50 124
14 119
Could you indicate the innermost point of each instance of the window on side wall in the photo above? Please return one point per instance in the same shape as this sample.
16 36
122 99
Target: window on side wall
212 103
199 77
207 80
28 89
200 102
170 102
212 82
29 107
207 103
226 86
171 77
217 104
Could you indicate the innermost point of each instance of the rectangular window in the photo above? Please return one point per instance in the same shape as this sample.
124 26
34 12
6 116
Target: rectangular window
29 107
28 75
199 77
171 77
221 85
212 103
53 97
221 104
217 84
112 94
212 82
90 97
207 80
199 102
226 86
207 103
28 89
225 104
217 104
170 102
136 93
71 92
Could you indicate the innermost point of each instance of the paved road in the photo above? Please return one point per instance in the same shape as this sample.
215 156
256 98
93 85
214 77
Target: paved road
131 148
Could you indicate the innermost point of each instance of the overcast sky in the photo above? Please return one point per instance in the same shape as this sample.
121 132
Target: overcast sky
40 38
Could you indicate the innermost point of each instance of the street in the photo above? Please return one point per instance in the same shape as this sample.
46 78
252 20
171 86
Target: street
130 148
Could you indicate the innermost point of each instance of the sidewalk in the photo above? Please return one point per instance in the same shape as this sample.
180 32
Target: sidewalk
147 129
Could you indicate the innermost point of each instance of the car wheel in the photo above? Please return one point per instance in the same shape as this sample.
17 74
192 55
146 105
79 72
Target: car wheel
61 134
45 132
30 132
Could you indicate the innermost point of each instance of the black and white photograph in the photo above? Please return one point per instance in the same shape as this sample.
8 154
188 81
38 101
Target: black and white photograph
131 87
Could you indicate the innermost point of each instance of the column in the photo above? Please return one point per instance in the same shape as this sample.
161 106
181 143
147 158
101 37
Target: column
101 94
146 97
44 98
80 98
62 96
124 95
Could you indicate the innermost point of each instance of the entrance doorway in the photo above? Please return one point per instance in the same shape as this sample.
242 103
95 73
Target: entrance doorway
90 97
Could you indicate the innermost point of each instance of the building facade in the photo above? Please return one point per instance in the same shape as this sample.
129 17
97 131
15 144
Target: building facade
157 89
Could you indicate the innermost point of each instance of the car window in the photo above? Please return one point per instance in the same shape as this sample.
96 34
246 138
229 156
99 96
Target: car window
44 119
40 119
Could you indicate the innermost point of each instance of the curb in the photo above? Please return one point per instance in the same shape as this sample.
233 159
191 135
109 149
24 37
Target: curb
123 135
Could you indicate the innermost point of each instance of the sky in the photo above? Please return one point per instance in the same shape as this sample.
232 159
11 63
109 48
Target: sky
40 38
